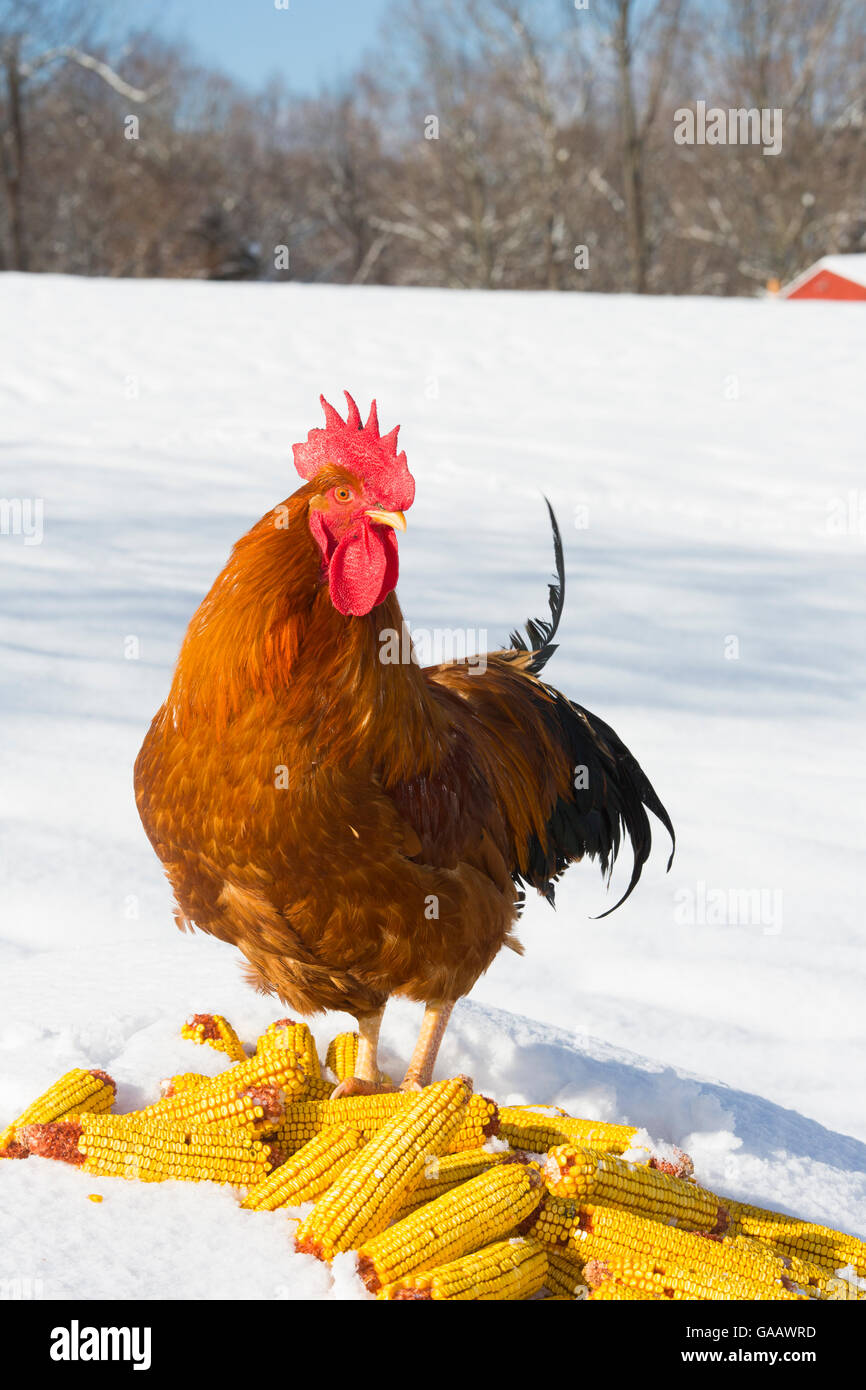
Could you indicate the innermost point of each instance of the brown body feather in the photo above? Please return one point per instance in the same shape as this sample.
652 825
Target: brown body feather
358 828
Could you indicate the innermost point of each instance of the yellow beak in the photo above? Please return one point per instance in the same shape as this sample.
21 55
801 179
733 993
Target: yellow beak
395 519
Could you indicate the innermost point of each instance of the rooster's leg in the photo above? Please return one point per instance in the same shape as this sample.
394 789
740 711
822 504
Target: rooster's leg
420 1070
367 1079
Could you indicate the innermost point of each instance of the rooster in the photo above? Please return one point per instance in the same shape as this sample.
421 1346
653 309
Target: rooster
360 827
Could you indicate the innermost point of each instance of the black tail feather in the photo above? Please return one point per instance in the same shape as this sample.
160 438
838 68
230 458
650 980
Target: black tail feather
609 801
540 631
594 818
635 794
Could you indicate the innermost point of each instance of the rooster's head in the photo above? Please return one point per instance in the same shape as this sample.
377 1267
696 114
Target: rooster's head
361 488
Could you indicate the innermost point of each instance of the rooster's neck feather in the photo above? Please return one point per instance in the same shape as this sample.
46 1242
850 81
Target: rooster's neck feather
268 632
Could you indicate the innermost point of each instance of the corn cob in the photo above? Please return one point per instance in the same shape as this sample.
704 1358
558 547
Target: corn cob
309 1173
182 1081
595 1232
285 1035
610 1292
815 1279
537 1129
216 1032
104 1145
342 1055
590 1176
257 1110
664 1278
370 1190
842 1286
443 1174
319 1089
816 1244
507 1271
342 1058
564 1275
236 1095
484 1209
185 1155
480 1122
680 1166
304 1118
136 1127
77 1091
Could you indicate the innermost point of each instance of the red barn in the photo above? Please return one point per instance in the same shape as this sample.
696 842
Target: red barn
833 277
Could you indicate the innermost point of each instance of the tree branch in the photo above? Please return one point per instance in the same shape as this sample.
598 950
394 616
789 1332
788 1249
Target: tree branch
102 69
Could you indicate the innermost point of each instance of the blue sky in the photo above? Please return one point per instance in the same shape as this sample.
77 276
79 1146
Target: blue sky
313 42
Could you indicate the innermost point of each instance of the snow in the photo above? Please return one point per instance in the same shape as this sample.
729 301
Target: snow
705 461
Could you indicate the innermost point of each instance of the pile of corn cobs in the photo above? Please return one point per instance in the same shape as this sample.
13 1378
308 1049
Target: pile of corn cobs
442 1194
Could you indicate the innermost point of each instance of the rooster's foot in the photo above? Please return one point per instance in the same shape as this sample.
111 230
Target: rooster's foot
354 1086
419 1072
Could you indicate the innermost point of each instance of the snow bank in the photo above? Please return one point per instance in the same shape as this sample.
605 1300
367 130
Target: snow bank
705 460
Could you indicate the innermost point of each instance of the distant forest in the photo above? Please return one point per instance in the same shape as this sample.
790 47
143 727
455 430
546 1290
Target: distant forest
491 144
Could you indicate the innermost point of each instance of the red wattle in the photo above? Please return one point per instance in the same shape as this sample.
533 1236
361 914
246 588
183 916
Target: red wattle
363 569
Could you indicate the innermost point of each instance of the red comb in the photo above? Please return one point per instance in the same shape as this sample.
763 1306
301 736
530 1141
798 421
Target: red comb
360 449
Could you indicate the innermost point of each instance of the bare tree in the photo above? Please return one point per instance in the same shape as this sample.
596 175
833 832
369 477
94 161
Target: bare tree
643 40
481 200
33 38
540 65
346 196
759 218
500 138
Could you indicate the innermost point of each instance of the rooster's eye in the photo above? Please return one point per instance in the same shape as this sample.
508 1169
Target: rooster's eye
342 494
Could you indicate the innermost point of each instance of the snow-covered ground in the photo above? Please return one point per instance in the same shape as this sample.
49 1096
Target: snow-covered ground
706 461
